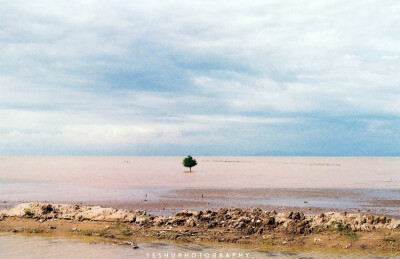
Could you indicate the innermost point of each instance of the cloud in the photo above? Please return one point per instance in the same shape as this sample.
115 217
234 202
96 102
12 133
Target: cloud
230 77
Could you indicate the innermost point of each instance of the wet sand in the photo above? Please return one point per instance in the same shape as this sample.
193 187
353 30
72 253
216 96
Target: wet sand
366 201
166 201
310 200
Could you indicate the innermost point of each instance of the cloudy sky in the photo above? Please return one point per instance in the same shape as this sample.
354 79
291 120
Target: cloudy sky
202 77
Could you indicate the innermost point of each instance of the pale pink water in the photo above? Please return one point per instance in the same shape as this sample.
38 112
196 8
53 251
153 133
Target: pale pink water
253 172
157 184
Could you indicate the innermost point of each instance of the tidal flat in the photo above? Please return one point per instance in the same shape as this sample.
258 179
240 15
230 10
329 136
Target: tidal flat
162 187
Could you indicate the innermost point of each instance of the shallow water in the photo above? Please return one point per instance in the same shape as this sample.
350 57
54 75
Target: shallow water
252 172
20 246
368 184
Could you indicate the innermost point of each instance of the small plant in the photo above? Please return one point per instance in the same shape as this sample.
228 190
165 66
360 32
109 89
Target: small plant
87 232
160 235
28 212
351 234
103 232
336 225
126 232
389 239
37 230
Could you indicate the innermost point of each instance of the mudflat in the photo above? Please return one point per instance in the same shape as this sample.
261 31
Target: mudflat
243 226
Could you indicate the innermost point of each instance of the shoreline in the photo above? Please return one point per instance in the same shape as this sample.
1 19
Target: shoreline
166 201
239 226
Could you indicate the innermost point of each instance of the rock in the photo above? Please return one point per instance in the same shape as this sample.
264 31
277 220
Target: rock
242 221
197 214
297 216
184 213
129 243
270 221
179 221
347 247
212 225
370 219
190 223
159 221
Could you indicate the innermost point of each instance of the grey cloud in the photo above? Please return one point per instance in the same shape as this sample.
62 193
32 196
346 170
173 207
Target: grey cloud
122 66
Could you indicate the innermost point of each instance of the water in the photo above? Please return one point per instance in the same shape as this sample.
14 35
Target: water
23 246
313 183
252 172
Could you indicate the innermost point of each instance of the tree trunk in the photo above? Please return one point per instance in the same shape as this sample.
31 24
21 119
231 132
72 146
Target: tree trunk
190 169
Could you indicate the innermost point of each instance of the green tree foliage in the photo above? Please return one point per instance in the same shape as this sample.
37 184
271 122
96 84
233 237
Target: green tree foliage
189 161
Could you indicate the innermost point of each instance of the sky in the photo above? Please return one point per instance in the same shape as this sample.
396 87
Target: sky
270 77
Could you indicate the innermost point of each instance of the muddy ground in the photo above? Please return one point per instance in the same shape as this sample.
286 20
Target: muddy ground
245 226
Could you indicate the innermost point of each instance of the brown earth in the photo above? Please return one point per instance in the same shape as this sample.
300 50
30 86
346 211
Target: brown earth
246 226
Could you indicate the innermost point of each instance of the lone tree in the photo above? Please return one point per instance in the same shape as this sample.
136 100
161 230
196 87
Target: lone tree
189 161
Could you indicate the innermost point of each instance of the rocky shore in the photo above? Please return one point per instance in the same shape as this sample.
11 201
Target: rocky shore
254 226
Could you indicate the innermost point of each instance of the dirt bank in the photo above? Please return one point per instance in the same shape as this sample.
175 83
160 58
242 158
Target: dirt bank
253 226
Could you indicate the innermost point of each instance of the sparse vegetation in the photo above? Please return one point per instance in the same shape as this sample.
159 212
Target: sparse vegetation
104 232
392 239
160 235
126 232
351 234
28 212
336 225
36 230
87 232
